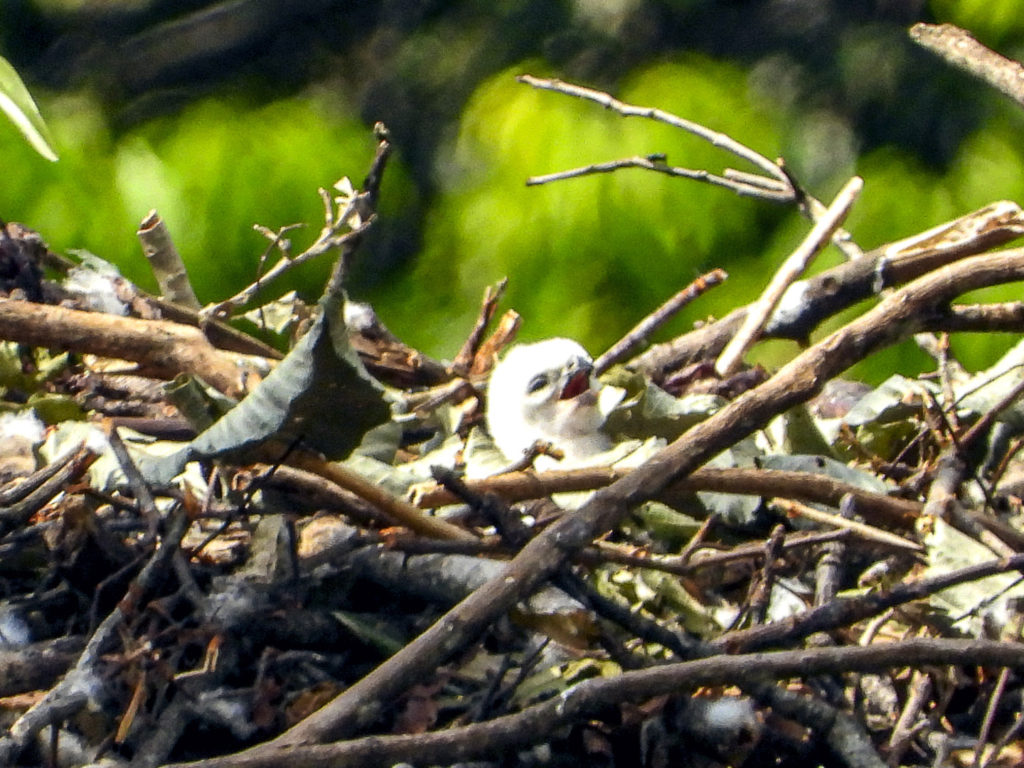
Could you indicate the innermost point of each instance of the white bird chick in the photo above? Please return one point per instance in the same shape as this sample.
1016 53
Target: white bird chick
546 391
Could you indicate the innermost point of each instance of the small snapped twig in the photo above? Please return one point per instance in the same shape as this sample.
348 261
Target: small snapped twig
18 490
140 488
759 594
759 313
642 331
44 485
828 568
166 262
903 731
503 335
464 360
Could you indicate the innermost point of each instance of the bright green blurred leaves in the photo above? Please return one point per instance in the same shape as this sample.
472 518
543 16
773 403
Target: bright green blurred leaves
989 20
17 103
219 167
586 257
212 171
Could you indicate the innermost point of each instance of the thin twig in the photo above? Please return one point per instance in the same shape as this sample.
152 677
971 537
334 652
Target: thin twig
464 360
761 311
642 331
1010 634
42 486
715 138
400 511
687 564
796 509
140 488
328 240
903 731
657 164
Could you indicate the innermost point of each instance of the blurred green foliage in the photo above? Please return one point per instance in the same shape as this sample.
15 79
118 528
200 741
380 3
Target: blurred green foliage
833 91
993 21
586 256
212 171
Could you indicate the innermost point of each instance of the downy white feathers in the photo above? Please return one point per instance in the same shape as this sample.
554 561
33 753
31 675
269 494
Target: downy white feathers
546 391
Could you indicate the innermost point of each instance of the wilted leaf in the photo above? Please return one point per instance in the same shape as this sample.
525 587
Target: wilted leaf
897 398
666 524
948 550
801 432
320 393
280 315
649 411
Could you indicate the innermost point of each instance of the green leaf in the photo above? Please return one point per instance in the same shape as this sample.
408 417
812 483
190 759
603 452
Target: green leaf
320 392
17 104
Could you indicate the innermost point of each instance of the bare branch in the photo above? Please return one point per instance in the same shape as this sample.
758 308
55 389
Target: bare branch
166 346
960 49
657 163
642 331
715 138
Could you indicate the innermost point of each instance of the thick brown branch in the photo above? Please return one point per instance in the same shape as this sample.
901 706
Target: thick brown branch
166 346
805 486
839 288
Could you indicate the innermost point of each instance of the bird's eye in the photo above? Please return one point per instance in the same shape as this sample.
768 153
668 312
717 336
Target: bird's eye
537 383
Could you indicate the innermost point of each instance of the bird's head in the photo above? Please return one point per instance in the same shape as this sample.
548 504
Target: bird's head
546 391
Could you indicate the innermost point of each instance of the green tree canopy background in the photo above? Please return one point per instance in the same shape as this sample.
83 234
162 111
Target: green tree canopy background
222 115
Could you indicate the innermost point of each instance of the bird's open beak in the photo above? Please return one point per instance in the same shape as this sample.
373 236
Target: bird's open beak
577 384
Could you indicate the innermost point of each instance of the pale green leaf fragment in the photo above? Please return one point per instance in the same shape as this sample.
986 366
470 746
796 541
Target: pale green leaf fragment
371 630
17 103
